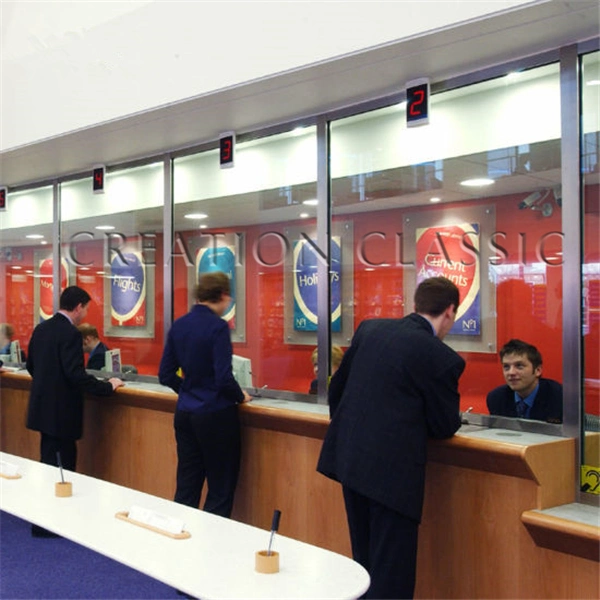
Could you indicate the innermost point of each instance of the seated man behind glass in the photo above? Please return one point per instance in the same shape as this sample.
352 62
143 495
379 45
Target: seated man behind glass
93 345
526 395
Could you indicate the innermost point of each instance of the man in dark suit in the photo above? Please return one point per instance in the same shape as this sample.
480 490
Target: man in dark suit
397 386
93 345
59 380
526 394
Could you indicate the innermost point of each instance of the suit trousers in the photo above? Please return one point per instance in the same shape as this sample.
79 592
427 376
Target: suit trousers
208 448
50 445
384 542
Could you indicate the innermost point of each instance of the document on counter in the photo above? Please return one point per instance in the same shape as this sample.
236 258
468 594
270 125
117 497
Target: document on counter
154 519
9 470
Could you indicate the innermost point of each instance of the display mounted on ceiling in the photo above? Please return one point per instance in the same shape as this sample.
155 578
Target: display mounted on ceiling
417 102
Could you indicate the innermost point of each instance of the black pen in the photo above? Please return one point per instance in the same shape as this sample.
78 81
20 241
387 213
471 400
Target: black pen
274 528
60 467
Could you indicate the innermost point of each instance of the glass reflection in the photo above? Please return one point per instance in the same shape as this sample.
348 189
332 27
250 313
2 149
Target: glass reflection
474 196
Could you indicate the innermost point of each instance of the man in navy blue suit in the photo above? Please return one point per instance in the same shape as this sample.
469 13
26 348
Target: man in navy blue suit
397 386
207 428
526 395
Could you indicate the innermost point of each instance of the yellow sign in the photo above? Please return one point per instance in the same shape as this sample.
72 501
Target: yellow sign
590 479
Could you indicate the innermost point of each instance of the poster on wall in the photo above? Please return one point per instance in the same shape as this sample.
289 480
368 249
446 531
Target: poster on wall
222 258
300 273
129 286
220 251
128 290
452 251
305 286
44 291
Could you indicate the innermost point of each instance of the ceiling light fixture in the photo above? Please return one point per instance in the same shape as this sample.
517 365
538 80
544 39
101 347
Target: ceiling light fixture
35 236
310 202
196 216
104 227
477 182
435 199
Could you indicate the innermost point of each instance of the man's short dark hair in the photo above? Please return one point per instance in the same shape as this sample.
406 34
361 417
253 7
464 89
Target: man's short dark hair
434 295
521 348
72 297
211 286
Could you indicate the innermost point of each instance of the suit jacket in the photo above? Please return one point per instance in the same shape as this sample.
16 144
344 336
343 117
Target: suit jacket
59 379
96 358
547 406
397 386
200 343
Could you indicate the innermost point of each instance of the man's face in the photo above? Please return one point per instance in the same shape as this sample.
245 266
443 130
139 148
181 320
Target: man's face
80 313
448 322
519 374
87 344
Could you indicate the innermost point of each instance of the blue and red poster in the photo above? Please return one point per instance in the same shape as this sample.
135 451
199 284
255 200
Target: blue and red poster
452 251
305 286
47 286
222 259
128 290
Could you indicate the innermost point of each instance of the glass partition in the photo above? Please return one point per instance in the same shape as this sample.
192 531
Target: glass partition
26 266
590 96
111 243
255 223
475 196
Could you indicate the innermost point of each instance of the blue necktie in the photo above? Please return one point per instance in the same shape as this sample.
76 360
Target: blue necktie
521 409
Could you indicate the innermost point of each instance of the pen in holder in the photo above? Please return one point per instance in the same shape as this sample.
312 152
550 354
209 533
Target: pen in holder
267 561
62 488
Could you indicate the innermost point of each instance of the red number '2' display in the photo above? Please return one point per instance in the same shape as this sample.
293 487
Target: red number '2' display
417 103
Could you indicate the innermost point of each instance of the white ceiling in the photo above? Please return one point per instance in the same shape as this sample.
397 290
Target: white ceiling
308 91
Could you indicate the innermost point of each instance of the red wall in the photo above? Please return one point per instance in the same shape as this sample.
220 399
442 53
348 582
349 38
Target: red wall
531 311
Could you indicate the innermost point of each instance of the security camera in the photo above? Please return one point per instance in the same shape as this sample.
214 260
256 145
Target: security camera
530 200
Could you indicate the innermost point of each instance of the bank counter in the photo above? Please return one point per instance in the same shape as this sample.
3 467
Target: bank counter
498 522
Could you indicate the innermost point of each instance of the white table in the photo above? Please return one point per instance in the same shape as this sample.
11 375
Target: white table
217 561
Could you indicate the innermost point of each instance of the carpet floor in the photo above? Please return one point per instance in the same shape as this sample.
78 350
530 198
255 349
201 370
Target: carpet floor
58 568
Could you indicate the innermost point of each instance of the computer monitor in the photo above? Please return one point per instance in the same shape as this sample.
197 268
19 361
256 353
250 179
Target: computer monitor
242 371
112 361
15 351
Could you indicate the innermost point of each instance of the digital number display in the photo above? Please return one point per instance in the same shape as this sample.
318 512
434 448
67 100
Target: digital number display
98 179
226 149
2 198
417 102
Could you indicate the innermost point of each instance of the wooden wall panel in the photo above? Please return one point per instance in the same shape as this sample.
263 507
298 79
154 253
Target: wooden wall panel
472 541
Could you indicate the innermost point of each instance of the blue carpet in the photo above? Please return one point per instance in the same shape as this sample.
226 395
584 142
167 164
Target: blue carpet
58 568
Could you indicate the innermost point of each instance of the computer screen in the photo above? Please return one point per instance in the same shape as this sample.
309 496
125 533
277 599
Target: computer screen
112 361
242 371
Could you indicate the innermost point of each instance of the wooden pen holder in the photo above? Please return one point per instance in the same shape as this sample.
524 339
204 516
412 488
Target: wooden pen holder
63 489
267 563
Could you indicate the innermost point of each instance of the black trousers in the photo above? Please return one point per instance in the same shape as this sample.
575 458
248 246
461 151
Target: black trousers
50 445
208 447
384 542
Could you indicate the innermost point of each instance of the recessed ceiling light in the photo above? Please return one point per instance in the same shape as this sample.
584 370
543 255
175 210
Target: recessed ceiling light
17 267
196 216
593 82
203 226
43 242
104 227
304 215
477 182
311 202
35 236
435 199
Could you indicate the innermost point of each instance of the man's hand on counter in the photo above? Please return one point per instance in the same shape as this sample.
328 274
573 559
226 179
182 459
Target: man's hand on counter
247 397
115 382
